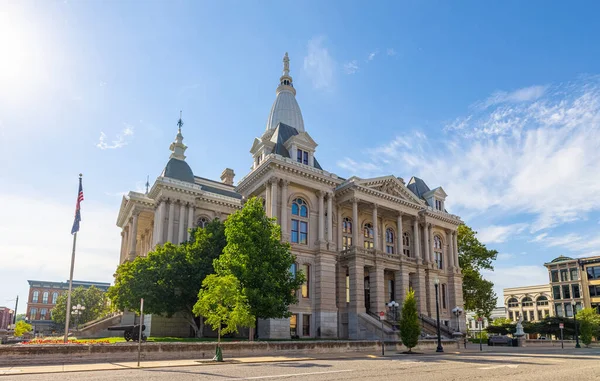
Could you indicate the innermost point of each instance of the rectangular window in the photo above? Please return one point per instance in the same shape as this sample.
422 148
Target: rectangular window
299 232
295 231
569 310
389 249
576 293
391 295
578 307
303 232
346 242
368 244
299 156
556 292
305 325
443 296
347 288
532 315
294 325
302 157
33 314
438 260
593 272
510 315
305 160
574 274
594 290
43 312
554 275
566 291
564 275
517 314
45 297
306 284
36 296
559 310
525 316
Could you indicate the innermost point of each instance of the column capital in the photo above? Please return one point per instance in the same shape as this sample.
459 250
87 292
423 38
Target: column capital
353 200
320 193
285 183
375 206
272 179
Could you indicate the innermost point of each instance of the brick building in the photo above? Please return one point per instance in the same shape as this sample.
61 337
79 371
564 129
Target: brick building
42 299
6 317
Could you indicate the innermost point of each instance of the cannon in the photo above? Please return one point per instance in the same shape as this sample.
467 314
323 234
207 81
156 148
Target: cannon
130 332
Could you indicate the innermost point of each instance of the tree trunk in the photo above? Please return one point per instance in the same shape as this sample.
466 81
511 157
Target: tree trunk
189 317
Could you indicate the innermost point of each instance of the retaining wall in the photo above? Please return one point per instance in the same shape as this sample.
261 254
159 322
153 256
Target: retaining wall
11 355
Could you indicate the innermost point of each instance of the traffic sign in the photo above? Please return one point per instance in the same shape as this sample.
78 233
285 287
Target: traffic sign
479 319
561 326
381 315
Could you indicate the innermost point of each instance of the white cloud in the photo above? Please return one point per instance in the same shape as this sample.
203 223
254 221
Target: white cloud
518 159
372 55
33 251
505 256
391 52
351 67
494 233
525 94
318 64
122 139
515 276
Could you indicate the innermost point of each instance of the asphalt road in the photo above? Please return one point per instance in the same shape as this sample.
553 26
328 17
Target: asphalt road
550 365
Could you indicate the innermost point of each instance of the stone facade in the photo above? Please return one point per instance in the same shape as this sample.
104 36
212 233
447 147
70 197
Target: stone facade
361 242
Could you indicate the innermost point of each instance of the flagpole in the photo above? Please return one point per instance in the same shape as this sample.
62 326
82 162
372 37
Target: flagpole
74 232
68 312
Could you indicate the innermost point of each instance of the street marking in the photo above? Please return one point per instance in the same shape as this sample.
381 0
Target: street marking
500 366
294 375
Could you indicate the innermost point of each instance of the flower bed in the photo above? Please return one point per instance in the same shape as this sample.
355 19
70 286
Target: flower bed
53 340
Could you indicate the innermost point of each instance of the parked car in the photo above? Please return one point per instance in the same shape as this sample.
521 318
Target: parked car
500 340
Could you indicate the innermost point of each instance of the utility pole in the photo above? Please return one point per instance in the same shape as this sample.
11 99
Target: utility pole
15 315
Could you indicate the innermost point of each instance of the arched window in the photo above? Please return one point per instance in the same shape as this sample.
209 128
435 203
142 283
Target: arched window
438 253
542 300
368 235
406 243
512 302
45 297
346 233
299 221
36 296
390 239
54 297
202 222
33 314
527 302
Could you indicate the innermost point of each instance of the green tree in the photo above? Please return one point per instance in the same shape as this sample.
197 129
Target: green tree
256 256
473 257
589 323
501 321
93 299
22 328
171 276
222 302
410 329
20 317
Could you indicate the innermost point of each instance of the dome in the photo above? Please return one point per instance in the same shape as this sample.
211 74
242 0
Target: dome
285 110
561 259
178 170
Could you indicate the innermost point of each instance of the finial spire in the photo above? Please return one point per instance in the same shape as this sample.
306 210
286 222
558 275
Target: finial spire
177 147
147 183
180 121
286 65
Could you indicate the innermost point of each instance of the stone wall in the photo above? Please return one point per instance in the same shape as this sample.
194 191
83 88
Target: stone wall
12 355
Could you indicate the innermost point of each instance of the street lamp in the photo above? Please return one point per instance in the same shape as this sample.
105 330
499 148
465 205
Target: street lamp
77 311
437 313
576 330
457 311
393 306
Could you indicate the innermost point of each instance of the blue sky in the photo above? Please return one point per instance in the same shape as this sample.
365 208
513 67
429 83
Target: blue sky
498 103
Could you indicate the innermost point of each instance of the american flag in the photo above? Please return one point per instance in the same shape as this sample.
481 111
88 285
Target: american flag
75 228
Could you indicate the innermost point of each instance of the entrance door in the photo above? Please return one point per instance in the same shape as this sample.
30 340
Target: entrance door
367 295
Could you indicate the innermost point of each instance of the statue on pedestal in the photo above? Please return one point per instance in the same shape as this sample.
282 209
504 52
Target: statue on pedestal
520 332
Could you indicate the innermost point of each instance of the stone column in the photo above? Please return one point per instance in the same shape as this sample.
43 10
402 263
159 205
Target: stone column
377 288
123 245
455 247
375 232
355 224
356 306
325 310
181 223
321 195
133 236
141 244
190 224
160 229
170 222
330 217
449 251
427 243
399 237
284 210
341 287
401 286
340 226
431 249
274 198
416 240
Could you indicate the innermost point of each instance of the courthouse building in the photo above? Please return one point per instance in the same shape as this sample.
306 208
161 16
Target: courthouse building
362 242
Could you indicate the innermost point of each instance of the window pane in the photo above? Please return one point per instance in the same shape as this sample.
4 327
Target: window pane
299 156
556 292
306 284
305 325
574 274
564 275
305 158
294 236
294 325
295 209
566 291
554 275
303 227
576 293
303 239
303 211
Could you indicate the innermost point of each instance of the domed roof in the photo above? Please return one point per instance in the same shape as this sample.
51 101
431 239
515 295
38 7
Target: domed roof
561 259
178 170
285 108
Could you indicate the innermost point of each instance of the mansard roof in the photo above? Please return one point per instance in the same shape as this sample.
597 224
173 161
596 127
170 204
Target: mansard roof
217 187
418 187
178 170
282 134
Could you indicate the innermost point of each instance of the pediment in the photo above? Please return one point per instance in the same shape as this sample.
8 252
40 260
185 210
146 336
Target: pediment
302 139
390 185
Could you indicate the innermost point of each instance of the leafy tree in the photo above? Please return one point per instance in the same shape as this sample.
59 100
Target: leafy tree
410 328
256 256
22 328
498 322
473 257
501 329
222 302
94 301
589 324
20 317
170 277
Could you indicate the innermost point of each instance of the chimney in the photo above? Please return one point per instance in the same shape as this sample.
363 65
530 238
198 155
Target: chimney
227 176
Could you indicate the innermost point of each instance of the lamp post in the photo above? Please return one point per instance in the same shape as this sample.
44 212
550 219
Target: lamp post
576 330
393 306
457 311
437 313
77 311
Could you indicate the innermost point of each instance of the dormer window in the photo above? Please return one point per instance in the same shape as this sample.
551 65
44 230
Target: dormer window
302 156
439 205
257 160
